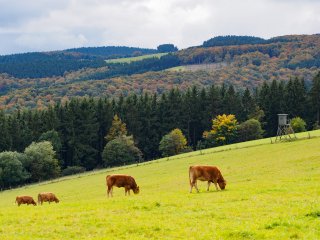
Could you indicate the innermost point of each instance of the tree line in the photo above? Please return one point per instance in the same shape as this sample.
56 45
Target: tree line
77 129
230 40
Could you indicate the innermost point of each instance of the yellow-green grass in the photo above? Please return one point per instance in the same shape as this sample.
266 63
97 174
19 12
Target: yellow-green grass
273 192
134 59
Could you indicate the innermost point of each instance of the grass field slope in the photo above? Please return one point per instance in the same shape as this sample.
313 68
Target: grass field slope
134 59
273 192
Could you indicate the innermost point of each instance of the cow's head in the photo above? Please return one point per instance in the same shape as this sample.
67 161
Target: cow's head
222 183
56 200
136 190
34 203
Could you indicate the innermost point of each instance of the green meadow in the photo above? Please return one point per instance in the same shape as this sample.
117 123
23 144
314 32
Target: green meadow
134 59
272 192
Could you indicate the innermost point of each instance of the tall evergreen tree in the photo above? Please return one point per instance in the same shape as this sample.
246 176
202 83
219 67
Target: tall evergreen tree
315 98
248 106
5 137
118 128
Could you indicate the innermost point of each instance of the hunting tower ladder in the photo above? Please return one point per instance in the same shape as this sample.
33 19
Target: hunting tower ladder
284 128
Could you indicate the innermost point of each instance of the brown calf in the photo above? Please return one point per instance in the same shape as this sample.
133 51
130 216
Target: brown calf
47 197
125 181
25 200
206 173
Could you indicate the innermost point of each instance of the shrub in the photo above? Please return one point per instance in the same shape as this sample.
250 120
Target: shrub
298 124
224 130
70 170
173 143
12 171
121 150
40 161
250 130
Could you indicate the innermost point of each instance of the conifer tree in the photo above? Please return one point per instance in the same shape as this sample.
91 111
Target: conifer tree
315 99
118 128
248 106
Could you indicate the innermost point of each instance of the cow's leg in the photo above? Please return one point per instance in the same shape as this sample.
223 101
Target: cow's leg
192 184
108 191
196 186
208 185
127 190
216 185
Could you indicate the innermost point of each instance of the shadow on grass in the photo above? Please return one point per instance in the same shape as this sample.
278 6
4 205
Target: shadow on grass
208 192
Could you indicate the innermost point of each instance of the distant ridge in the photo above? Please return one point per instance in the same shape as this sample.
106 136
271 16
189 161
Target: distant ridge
231 40
112 51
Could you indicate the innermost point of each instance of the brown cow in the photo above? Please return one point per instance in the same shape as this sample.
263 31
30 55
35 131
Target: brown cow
125 181
25 200
206 173
47 197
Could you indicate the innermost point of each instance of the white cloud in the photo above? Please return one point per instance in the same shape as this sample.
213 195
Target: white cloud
42 25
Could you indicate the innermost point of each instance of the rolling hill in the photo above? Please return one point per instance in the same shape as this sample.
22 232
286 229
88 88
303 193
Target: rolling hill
249 63
272 193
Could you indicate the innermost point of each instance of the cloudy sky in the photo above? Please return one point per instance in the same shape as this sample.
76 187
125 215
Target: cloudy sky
43 25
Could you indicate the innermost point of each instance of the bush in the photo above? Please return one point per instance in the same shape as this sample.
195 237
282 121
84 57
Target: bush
298 124
250 130
121 150
70 170
224 130
187 149
12 171
173 143
40 161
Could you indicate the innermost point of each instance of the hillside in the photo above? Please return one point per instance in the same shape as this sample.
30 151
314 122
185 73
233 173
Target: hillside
56 63
272 193
243 65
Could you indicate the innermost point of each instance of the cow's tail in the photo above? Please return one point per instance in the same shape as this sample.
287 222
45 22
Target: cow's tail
190 176
39 198
107 179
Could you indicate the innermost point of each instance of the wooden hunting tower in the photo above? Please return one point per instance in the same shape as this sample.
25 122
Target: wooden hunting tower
284 127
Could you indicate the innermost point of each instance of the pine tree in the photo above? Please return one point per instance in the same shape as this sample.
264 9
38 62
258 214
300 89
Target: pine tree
315 99
118 128
5 138
248 106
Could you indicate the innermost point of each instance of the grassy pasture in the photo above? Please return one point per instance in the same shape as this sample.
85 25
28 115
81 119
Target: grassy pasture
273 192
133 59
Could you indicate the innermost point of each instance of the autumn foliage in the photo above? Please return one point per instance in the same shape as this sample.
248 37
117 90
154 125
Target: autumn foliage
224 129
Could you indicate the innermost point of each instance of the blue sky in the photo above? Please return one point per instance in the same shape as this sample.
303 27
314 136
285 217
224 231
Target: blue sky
44 25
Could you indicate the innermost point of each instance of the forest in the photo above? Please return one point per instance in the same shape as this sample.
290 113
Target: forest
243 66
49 64
78 128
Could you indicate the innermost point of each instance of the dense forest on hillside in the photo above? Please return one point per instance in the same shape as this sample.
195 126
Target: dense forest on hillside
247 65
112 51
230 40
48 64
38 65
82 124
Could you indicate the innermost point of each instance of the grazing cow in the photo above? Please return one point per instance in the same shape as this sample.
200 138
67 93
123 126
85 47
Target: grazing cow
25 200
47 197
206 173
125 181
